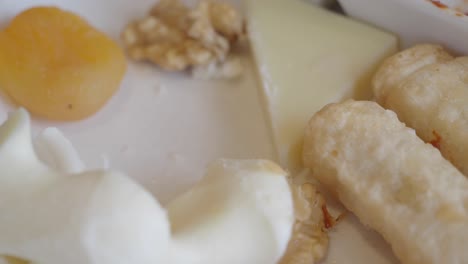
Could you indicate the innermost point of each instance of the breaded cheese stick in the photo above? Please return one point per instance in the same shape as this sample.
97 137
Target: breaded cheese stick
434 101
393 181
397 67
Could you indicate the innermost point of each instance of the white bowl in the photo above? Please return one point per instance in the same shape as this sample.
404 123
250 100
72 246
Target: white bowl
417 21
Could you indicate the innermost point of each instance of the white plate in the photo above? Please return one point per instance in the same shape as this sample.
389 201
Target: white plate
162 129
416 21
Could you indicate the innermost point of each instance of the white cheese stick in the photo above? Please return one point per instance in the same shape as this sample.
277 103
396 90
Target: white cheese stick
397 67
433 99
393 181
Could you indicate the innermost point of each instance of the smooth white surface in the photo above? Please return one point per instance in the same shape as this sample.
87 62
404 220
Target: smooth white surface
53 148
162 129
240 212
416 21
50 216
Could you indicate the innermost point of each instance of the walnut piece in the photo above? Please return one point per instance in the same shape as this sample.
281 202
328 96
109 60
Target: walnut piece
231 68
309 241
176 38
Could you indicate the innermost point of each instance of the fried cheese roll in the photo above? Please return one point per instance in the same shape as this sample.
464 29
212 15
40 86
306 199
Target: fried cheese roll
393 181
434 101
395 68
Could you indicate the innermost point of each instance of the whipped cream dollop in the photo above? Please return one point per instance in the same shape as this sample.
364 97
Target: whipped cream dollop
54 211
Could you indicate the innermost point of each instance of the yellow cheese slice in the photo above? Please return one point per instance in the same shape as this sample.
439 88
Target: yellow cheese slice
308 57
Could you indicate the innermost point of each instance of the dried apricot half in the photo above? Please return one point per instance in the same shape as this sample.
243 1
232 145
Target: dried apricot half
56 65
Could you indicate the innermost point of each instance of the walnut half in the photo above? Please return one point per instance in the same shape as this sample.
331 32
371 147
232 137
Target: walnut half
309 241
177 38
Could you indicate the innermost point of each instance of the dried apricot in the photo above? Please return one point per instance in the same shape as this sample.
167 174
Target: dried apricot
12 260
57 65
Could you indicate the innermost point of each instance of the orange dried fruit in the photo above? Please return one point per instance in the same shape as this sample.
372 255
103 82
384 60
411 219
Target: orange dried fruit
12 260
56 65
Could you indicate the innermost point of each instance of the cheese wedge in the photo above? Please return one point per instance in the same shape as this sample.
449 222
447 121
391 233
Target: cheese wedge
308 57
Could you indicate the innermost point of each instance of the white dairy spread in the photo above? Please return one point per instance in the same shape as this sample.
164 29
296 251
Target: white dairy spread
241 212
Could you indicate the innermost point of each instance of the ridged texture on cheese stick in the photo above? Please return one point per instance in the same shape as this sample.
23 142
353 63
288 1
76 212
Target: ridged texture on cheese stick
395 68
393 181
433 100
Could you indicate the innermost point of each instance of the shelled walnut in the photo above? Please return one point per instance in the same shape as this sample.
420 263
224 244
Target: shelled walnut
309 241
177 38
